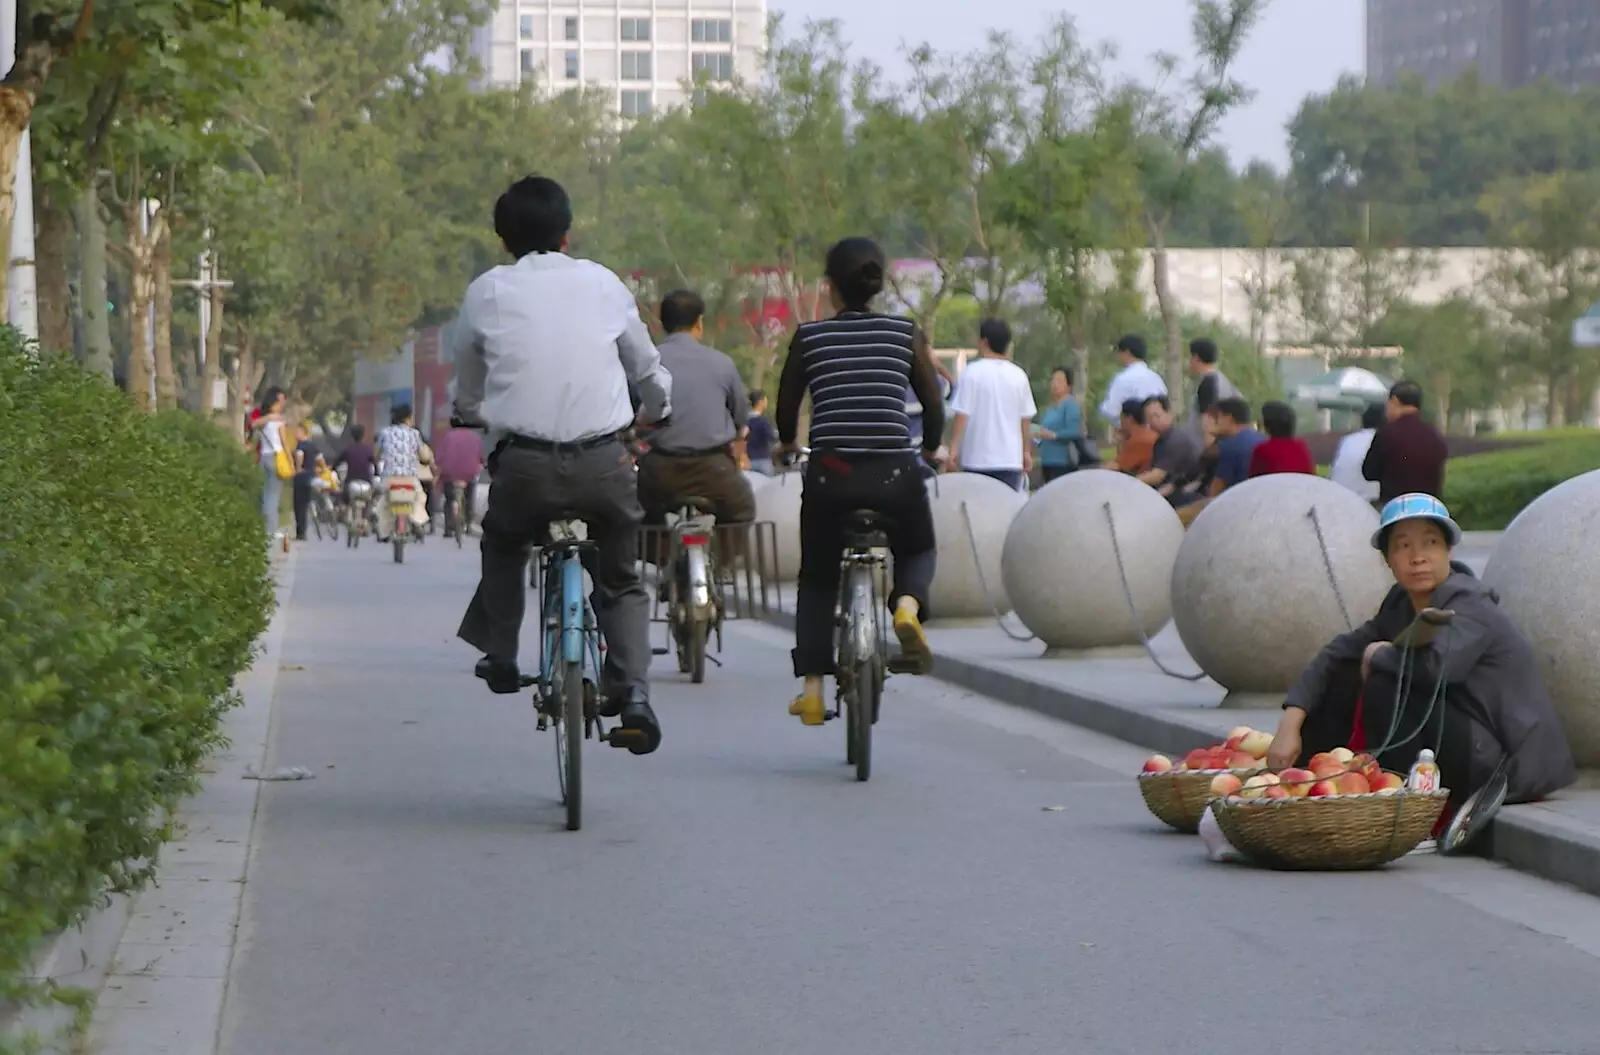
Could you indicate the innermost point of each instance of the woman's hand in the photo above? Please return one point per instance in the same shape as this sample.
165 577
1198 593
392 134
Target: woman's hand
1366 657
1286 745
1046 434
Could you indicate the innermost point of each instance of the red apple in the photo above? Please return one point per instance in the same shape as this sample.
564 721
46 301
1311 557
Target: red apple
1224 784
1323 789
1388 783
1297 781
1239 732
1277 792
1257 743
1326 769
1343 754
1197 759
1157 764
1352 784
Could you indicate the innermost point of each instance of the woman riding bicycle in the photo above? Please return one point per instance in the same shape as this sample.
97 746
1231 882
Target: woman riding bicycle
856 366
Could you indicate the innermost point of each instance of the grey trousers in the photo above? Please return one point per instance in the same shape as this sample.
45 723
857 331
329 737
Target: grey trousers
530 489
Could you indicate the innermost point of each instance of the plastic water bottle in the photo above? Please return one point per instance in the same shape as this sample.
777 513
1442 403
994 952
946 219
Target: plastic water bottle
1424 773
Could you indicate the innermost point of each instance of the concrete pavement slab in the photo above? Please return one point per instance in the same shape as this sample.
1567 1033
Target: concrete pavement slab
738 892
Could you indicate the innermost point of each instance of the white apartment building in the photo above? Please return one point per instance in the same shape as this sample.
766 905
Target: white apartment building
644 51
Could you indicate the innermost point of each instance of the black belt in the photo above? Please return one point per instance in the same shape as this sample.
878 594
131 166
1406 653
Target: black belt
534 443
721 448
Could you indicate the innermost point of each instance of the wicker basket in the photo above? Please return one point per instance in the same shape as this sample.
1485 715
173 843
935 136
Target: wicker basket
1333 834
1179 796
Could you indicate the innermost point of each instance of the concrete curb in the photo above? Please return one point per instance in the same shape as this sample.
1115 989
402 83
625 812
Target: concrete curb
1529 838
85 956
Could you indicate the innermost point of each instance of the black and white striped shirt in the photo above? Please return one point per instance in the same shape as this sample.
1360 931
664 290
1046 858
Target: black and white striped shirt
856 367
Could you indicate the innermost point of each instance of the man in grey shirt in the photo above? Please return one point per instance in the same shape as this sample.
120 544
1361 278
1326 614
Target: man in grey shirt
692 455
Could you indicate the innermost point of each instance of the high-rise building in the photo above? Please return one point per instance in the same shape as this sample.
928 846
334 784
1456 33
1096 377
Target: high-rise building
644 51
1510 42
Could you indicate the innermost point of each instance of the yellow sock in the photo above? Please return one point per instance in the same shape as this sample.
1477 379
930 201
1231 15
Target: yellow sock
909 606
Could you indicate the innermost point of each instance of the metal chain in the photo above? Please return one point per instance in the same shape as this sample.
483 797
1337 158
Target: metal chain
1133 609
988 598
1327 564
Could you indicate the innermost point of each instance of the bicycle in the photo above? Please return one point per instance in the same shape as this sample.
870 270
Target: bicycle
355 512
402 498
324 517
862 662
455 516
567 699
694 608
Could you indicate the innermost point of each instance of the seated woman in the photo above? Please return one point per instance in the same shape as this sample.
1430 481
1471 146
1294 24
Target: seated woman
1494 702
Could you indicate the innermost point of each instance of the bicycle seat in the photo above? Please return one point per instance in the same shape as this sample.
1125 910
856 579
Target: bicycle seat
870 522
568 527
696 506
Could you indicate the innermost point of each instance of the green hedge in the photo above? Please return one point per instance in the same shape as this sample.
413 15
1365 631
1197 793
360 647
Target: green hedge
1486 491
133 585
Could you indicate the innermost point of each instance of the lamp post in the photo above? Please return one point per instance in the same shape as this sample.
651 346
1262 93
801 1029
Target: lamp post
206 285
22 299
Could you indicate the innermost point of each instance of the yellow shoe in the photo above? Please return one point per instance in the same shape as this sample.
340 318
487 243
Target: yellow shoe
809 709
913 642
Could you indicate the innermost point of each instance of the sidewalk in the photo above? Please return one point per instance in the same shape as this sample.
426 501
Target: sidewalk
1129 698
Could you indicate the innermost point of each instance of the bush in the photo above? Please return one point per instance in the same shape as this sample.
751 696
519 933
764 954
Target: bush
133 584
1486 491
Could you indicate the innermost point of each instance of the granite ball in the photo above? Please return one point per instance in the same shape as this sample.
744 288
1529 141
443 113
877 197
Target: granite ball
957 591
778 503
1059 564
1545 571
1251 591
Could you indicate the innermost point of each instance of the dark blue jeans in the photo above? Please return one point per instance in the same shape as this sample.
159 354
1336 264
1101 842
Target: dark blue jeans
1012 478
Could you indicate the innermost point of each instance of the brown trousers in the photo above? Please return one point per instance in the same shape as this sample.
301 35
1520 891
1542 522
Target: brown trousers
665 481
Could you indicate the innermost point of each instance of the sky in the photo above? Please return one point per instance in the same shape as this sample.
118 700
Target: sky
1300 47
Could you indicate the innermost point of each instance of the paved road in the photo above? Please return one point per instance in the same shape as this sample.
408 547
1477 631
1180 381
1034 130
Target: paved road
739 894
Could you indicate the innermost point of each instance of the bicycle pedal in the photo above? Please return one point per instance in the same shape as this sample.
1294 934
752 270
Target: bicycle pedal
624 738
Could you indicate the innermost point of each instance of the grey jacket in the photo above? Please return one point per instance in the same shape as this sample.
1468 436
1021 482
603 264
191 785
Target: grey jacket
1490 673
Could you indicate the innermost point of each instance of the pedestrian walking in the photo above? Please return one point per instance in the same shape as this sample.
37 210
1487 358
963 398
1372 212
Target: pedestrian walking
272 454
1407 455
1135 382
994 409
1212 385
305 470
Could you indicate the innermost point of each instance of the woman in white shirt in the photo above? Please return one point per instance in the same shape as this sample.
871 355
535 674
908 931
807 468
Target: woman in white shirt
1352 451
269 441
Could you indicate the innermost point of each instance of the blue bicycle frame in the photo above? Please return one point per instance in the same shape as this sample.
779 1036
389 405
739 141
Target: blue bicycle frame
570 636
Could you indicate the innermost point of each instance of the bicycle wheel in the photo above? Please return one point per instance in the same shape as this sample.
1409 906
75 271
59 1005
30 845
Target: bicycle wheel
863 705
572 718
457 528
696 633
399 547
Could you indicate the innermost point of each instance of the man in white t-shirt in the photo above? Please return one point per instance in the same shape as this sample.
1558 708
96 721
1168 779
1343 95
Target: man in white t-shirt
994 411
1135 382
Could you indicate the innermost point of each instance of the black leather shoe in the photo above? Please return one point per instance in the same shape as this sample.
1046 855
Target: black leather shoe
502 675
640 721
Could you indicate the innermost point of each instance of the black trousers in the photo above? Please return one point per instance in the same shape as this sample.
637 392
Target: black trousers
1053 472
835 487
302 505
1449 732
530 489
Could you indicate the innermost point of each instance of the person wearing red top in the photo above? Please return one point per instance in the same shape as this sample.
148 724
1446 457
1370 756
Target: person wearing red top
1282 451
458 455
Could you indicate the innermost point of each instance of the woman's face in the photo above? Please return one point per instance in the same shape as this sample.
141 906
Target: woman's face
1058 385
277 403
1418 555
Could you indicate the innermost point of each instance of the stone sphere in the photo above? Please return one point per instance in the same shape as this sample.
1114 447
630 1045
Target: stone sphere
1251 595
1059 565
778 502
957 592
1544 569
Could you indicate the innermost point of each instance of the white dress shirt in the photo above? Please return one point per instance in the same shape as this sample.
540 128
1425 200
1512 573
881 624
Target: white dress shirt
1347 459
1134 381
547 347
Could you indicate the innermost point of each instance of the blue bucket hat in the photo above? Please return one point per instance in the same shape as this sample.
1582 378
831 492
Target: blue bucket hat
1414 507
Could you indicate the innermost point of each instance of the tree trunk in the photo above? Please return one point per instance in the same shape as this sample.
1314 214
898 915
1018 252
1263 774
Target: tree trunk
1172 329
1554 407
16 109
211 372
141 281
92 292
50 263
161 280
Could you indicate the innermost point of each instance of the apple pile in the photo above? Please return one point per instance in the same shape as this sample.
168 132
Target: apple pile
1244 749
1337 772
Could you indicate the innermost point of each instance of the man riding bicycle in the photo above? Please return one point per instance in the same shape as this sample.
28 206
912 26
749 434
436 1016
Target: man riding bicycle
856 366
459 458
546 349
399 451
